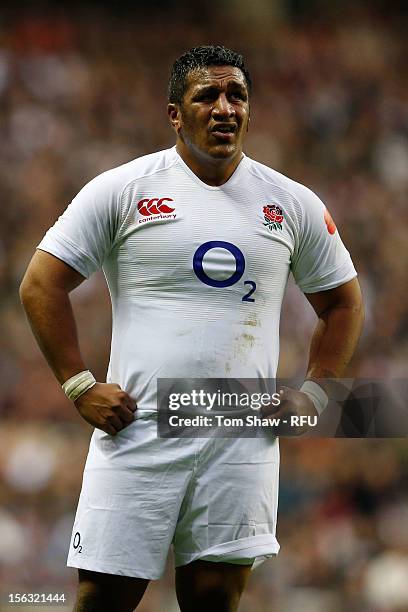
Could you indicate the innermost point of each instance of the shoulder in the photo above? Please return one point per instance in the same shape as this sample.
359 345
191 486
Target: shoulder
300 195
113 182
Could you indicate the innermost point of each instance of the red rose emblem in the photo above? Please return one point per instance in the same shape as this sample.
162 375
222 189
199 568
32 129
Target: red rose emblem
273 213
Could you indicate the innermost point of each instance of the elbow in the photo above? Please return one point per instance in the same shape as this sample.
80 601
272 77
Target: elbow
361 314
358 308
24 292
357 314
355 306
27 290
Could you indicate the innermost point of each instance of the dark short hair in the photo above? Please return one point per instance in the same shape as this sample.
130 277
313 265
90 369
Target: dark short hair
201 57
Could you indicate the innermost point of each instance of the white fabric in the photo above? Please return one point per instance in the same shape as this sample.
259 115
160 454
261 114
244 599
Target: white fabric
167 322
214 499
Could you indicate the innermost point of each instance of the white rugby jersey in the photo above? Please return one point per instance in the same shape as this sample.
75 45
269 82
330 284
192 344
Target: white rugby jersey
197 273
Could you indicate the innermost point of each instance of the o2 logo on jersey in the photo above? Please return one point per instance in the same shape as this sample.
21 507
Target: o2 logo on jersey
226 282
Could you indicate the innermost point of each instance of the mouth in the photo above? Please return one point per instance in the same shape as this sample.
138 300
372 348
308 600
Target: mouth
224 131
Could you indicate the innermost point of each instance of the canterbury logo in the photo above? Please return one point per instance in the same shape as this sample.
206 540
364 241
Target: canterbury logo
154 206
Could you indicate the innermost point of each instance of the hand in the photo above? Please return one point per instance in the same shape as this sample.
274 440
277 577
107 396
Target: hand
107 407
293 404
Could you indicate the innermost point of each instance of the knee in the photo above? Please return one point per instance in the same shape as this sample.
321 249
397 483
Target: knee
217 598
108 593
210 592
95 596
89 598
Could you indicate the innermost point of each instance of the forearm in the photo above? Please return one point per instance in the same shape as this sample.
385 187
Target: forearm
334 341
52 321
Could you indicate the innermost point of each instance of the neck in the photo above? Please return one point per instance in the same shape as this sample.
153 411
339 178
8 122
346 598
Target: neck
210 170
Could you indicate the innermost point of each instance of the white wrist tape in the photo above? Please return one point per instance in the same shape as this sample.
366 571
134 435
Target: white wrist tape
317 395
75 386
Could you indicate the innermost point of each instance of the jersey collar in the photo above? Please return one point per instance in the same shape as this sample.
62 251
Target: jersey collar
231 181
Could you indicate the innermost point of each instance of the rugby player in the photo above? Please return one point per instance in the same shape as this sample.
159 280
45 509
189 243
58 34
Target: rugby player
196 243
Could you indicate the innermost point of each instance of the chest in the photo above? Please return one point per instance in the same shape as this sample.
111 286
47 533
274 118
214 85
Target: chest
189 239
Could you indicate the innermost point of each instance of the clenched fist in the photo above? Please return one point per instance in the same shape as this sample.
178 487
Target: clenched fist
107 407
293 403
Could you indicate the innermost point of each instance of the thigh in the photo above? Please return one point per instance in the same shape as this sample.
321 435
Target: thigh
204 585
129 505
229 512
99 592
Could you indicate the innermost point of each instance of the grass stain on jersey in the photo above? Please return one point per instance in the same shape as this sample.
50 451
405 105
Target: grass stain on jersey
252 320
250 339
243 344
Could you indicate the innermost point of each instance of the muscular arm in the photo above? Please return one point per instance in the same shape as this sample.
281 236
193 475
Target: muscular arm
340 319
44 294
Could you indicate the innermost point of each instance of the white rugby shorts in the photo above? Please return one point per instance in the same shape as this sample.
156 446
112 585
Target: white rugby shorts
214 499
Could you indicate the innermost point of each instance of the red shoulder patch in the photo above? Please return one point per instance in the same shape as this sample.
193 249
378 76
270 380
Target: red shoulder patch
331 227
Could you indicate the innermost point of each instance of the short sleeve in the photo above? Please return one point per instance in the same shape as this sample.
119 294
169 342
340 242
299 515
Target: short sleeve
84 234
320 260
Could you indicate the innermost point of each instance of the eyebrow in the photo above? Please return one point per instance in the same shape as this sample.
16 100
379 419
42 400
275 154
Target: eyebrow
204 89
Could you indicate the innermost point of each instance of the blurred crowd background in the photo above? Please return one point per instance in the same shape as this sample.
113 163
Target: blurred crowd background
83 89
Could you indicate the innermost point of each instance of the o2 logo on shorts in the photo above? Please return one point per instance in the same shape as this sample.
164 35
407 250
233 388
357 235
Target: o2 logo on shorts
76 543
227 282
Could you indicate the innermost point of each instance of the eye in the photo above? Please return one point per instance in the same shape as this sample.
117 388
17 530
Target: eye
239 95
205 96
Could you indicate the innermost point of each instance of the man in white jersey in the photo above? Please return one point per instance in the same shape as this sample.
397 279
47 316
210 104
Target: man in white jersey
196 243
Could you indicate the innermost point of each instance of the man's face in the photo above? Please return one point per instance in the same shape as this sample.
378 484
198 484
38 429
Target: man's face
213 118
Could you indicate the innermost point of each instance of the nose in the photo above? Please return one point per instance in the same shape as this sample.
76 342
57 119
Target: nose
222 107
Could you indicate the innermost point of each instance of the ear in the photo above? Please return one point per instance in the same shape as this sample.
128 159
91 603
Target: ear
173 112
249 121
